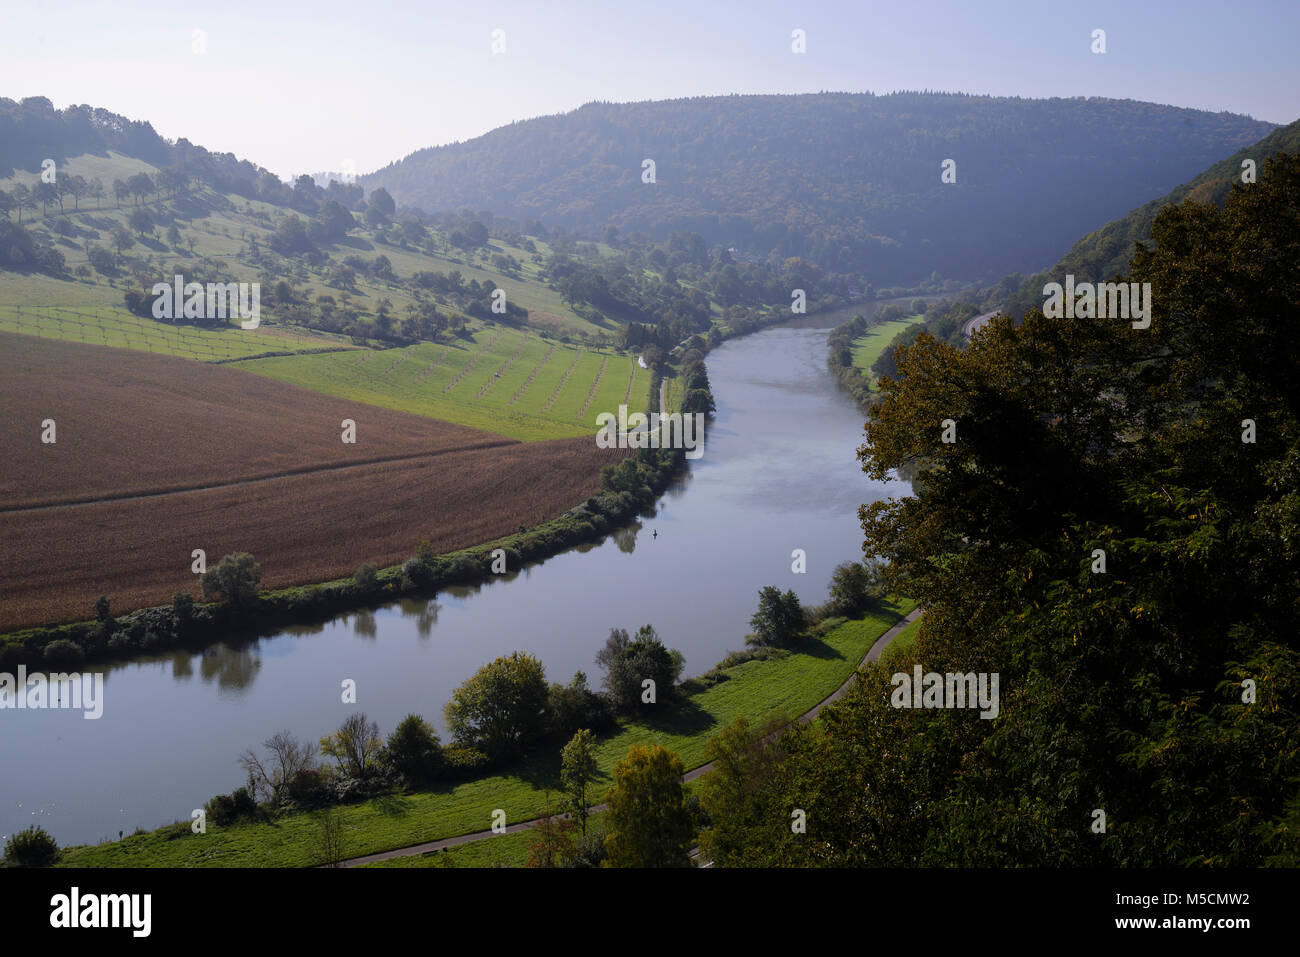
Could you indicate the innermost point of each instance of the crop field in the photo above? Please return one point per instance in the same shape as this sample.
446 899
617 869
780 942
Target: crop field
115 327
507 381
156 456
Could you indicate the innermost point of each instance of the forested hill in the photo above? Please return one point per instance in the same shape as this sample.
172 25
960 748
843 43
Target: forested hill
850 180
32 130
1106 253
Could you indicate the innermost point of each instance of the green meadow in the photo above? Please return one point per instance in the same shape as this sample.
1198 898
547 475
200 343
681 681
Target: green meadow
508 381
867 348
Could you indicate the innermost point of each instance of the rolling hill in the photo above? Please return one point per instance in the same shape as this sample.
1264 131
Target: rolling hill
850 180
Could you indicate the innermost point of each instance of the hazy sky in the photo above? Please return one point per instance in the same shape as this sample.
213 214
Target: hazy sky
303 87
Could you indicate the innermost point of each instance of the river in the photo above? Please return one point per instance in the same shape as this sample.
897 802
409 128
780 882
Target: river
778 474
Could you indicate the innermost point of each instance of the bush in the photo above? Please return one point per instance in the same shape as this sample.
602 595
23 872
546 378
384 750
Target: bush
854 589
123 644
225 809
414 750
575 706
590 848
462 761
311 788
31 848
501 708
63 654
235 579
417 573
365 577
466 568
182 608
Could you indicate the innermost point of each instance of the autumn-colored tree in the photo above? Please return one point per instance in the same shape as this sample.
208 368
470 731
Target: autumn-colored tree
552 844
648 821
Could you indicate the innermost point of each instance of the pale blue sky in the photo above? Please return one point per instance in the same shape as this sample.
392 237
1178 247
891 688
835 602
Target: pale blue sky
300 87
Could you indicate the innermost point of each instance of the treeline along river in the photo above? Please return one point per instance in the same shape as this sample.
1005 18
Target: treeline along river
778 473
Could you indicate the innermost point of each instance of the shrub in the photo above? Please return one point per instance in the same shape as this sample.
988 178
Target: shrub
501 707
462 761
309 788
238 805
235 579
417 573
63 653
365 577
414 750
466 568
575 706
31 848
630 661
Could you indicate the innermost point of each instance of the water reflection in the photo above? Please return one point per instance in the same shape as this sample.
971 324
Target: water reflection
779 472
425 613
364 624
625 538
233 668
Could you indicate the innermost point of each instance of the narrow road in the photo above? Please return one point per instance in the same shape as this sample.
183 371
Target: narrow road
970 326
432 847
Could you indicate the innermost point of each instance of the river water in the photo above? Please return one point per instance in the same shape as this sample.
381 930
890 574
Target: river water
778 473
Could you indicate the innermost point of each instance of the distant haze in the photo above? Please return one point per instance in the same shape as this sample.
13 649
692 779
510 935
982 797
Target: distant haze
299 87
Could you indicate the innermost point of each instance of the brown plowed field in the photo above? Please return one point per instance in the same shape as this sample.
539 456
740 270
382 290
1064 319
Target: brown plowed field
175 455
129 422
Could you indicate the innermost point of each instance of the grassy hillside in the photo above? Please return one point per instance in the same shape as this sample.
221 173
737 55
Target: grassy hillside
507 381
517 380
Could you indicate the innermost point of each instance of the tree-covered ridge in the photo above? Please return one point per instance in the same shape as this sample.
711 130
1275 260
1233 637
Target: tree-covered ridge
32 130
850 180
1111 526
1107 251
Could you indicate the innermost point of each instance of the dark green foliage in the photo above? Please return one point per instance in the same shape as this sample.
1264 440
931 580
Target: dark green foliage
575 706
629 661
501 708
855 587
32 847
1163 690
414 750
366 577
226 809
64 654
885 215
234 580
779 619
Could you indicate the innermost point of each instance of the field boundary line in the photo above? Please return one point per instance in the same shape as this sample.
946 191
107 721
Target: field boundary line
262 477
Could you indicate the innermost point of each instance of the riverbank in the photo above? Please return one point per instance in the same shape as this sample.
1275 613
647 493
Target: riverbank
786 683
